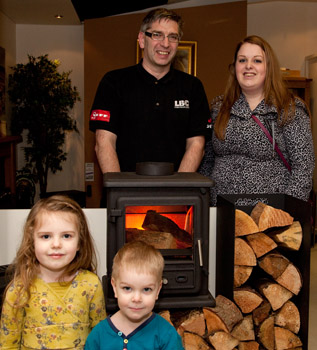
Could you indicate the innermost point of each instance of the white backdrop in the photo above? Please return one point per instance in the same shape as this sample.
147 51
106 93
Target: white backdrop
12 221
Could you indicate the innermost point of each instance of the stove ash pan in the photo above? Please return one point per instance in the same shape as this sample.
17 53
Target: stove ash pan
170 212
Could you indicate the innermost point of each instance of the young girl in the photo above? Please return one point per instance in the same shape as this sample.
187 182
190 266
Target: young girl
55 298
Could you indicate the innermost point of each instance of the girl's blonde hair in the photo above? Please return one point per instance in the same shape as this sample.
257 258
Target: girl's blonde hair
275 91
25 265
138 256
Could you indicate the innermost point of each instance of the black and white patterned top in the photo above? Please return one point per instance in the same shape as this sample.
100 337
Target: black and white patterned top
245 161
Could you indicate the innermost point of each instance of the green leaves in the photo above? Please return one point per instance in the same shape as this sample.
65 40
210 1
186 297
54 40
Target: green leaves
42 99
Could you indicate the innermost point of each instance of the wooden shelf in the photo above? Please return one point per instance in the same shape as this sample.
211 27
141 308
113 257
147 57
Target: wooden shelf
8 160
300 86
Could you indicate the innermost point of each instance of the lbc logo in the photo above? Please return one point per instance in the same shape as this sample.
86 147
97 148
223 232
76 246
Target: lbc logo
181 104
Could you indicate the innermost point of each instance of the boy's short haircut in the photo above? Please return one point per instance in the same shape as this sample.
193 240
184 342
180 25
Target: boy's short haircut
138 256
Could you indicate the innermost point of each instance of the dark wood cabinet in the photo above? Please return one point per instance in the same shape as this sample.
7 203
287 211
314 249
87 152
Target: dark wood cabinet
8 161
300 86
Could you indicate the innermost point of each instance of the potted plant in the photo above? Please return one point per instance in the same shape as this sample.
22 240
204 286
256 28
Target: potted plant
42 99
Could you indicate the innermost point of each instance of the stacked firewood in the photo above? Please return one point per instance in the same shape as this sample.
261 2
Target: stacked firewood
263 314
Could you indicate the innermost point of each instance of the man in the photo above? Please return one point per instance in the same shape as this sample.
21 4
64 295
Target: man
151 112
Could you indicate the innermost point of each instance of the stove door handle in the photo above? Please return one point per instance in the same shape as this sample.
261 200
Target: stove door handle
200 254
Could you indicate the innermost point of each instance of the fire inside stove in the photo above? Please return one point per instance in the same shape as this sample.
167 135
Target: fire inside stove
165 227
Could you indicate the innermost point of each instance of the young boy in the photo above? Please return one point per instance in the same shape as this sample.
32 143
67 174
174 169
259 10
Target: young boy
136 280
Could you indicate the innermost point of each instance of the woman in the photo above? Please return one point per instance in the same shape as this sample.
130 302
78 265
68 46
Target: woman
239 156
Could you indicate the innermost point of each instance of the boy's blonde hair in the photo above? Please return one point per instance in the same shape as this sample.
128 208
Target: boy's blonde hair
138 256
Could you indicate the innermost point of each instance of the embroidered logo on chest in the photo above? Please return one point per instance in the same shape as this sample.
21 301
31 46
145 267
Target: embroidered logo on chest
181 104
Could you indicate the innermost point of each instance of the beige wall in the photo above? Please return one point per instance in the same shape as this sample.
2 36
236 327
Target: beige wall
291 29
65 43
110 43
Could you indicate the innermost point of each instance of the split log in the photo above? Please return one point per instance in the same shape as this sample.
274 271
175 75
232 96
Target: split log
159 240
261 313
195 323
157 222
228 311
250 345
288 317
266 333
243 253
247 299
276 294
244 224
213 322
193 341
223 341
290 237
285 339
266 216
241 274
244 330
261 243
283 271
291 279
274 264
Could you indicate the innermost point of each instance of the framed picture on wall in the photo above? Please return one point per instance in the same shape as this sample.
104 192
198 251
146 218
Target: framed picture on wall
2 81
185 59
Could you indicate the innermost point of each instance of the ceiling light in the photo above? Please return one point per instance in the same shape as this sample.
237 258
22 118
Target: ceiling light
59 16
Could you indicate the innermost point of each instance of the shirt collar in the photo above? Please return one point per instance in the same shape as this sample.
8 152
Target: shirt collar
150 78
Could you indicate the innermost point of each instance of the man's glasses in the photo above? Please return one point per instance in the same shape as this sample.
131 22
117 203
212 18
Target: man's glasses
157 36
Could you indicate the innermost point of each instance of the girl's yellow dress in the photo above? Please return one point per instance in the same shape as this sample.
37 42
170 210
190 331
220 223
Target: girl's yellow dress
57 316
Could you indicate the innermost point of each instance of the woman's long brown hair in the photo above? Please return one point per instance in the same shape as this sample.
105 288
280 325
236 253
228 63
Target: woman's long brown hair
275 91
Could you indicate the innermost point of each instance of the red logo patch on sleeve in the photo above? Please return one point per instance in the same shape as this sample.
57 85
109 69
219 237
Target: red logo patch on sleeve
98 114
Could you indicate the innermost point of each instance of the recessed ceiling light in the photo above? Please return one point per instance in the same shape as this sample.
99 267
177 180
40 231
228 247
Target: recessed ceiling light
59 16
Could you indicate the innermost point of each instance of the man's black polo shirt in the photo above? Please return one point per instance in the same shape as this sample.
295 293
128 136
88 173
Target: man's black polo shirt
151 118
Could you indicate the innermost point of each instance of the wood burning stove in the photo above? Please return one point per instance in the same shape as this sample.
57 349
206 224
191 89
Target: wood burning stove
170 211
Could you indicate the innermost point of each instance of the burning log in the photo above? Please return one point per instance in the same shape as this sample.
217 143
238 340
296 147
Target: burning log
159 240
157 222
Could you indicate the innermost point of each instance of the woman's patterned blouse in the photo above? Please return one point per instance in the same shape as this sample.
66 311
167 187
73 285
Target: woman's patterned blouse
245 162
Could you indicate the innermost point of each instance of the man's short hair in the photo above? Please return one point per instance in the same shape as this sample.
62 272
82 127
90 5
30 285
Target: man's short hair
159 14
